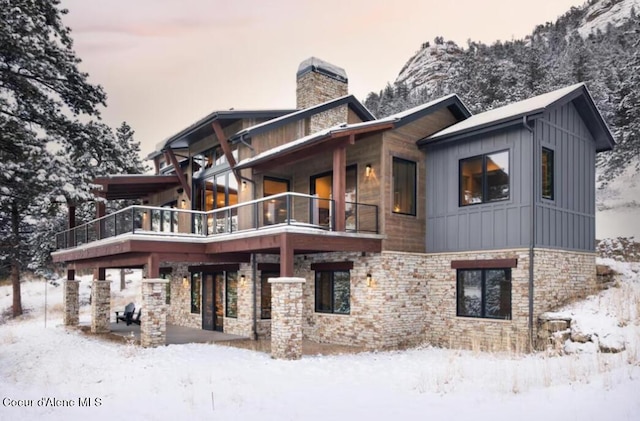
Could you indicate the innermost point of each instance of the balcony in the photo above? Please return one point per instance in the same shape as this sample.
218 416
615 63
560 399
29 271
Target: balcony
266 214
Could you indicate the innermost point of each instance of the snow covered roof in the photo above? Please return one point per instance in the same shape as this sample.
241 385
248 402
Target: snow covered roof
339 130
321 66
513 113
350 100
452 102
202 127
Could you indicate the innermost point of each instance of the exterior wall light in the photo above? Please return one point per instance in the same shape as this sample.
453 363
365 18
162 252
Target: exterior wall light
368 170
183 204
243 280
185 282
369 279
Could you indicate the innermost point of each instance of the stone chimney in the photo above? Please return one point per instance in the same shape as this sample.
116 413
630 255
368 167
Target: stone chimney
319 82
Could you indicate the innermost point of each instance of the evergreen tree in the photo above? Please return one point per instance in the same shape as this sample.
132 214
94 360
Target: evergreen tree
40 86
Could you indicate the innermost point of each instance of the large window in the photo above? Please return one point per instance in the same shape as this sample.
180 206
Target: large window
484 178
322 187
231 294
484 293
547 173
404 186
333 292
275 210
196 280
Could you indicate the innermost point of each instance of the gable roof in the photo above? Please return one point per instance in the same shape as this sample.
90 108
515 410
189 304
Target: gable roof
202 128
272 124
533 107
452 102
335 132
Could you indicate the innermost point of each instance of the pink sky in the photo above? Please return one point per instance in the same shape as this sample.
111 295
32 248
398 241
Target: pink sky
166 63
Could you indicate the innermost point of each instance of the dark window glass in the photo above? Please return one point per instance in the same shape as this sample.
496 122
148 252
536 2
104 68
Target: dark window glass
231 293
484 293
333 292
484 178
195 292
265 294
547 173
167 276
404 186
275 210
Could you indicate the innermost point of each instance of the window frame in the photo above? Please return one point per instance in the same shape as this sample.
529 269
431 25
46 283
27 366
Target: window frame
230 276
483 301
196 289
265 312
550 169
414 193
484 178
332 282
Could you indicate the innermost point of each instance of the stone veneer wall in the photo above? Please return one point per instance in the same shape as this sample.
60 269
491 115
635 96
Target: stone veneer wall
71 302
242 324
444 328
389 313
328 118
315 88
179 311
560 277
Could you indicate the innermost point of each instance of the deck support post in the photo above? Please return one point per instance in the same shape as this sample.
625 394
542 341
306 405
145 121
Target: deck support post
286 317
71 299
153 321
100 302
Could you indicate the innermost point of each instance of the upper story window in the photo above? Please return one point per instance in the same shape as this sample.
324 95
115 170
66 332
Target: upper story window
484 178
484 293
547 174
212 157
404 186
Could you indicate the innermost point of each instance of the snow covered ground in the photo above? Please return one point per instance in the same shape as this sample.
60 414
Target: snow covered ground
221 383
618 206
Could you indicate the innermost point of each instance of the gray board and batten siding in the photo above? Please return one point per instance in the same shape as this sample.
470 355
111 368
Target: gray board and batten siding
566 222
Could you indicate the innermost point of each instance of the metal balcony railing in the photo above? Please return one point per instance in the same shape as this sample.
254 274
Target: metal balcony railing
289 208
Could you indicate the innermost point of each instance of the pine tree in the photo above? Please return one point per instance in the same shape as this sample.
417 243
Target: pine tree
40 86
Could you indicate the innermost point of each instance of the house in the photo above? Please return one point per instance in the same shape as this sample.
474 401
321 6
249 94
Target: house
325 223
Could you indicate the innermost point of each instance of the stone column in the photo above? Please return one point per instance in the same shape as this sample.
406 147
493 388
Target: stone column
100 306
153 326
71 302
286 317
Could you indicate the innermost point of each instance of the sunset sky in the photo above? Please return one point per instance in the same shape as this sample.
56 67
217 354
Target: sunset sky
166 63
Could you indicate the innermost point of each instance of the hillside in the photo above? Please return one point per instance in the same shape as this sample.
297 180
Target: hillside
598 44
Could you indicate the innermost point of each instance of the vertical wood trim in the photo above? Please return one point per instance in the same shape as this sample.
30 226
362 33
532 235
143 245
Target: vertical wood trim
286 256
176 166
100 274
339 186
153 269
